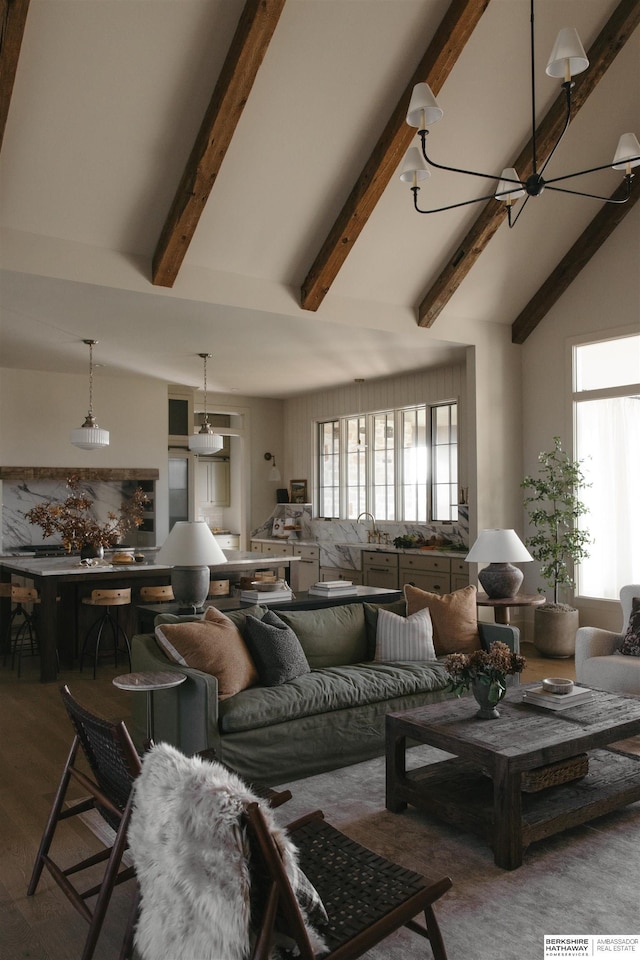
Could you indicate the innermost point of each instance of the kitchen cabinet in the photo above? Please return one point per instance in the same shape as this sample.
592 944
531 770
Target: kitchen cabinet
340 573
459 574
272 546
228 541
213 483
380 569
309 565
426 572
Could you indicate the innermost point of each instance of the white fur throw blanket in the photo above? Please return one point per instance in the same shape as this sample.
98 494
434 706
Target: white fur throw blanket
191 859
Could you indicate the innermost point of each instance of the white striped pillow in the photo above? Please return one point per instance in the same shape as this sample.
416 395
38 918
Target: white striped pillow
404 638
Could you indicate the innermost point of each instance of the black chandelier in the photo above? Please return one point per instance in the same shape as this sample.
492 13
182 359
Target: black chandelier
567 60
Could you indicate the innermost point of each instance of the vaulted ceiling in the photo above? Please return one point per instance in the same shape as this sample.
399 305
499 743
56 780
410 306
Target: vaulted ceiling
179 176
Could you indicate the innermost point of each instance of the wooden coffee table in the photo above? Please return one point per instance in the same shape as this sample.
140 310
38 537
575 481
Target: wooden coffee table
479 787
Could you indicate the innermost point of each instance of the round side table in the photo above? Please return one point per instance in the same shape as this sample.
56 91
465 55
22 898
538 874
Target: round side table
501 607
148 682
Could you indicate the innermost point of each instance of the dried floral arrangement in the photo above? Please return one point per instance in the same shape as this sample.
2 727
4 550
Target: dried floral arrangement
491 667
72 518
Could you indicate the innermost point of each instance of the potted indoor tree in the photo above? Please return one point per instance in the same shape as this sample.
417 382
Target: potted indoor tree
554 507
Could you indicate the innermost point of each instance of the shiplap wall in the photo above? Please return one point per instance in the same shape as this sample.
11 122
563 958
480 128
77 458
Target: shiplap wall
421 386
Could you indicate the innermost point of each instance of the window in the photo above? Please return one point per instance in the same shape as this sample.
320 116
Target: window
606 402
397 464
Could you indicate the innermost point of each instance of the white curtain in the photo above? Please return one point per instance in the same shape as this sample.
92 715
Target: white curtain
608 441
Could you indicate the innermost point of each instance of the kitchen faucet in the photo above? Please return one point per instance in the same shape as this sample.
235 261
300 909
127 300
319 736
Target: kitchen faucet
373 533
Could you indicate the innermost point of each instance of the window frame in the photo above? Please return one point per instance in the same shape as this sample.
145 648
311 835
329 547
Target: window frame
395 507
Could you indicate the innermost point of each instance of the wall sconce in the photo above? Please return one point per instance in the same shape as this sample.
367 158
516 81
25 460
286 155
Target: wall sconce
274 473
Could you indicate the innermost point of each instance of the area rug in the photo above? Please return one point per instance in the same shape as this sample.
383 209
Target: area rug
584 881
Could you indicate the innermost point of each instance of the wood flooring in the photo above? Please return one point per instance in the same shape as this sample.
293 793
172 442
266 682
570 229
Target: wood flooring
34 742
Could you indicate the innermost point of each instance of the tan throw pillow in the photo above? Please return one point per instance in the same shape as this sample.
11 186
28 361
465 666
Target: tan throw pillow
212 645
454 618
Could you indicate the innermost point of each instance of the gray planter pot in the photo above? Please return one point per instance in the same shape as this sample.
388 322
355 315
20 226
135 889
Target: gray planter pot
554 632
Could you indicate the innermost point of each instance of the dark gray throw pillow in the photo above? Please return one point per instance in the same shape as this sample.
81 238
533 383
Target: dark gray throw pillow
630 646
275 649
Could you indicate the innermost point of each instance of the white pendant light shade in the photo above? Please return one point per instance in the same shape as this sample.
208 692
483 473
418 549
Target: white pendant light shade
423 107
206 441
508 191
414 168
90 436
627 152
568 58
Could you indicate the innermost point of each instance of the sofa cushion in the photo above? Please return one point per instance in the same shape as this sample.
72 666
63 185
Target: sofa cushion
454 617
275 649
236 616
330 688
371 620
330 636
404 638
630 645
213 645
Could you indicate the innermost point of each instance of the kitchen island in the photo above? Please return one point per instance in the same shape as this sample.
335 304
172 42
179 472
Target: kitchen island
62 582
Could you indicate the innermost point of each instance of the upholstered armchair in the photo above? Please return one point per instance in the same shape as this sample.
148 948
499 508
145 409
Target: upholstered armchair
598 662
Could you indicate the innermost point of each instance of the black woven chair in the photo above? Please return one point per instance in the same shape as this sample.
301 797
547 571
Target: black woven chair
366 897
114 764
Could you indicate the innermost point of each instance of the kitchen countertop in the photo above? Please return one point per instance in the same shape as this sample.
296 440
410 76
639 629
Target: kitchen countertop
68 566
360 545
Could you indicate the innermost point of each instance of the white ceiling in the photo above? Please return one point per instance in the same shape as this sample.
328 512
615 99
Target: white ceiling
107 102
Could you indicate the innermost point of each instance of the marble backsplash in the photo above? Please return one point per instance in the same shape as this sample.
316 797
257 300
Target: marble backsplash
18 498
341 541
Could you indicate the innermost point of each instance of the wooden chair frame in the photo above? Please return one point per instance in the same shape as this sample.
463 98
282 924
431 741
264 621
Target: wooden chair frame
367 925
115 764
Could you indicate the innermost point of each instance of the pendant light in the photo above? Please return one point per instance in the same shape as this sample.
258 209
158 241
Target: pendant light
205 441
90 436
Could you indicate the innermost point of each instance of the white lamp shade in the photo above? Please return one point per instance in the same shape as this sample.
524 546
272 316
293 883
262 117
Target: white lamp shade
90 438
627 152
508 191
423 107
498 546
206 442
190 544
568 58
414 168
274 475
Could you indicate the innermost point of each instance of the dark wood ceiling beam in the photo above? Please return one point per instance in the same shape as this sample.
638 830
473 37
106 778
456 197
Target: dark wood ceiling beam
589 242
453 33
253 34
612 38
13 18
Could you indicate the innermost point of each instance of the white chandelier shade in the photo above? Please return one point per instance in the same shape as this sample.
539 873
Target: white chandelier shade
567 60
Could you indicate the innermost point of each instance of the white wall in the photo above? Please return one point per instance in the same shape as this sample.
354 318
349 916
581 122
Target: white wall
603 299
39 410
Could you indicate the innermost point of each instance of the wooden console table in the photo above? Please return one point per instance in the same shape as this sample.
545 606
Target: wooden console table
479 788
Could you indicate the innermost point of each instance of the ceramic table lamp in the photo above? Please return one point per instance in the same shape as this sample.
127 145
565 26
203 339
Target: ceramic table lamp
190 549
500 549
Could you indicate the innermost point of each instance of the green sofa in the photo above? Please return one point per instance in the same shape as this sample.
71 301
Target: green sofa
331 717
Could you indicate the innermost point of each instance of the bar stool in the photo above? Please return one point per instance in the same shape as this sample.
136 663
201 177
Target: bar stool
27 627
108 599
156 594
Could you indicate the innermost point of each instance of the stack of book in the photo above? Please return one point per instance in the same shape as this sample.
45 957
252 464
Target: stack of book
267 596
334 588
557 701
